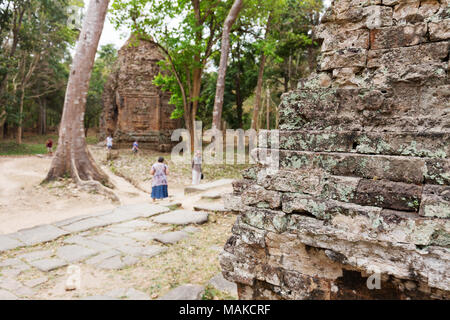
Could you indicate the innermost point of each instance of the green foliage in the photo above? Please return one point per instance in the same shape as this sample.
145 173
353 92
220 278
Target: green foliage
240 82
106 58
34 57
186 32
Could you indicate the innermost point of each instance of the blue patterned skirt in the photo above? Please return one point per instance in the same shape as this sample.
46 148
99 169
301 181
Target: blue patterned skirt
160 192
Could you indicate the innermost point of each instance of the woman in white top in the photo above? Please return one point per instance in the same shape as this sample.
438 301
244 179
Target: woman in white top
197 168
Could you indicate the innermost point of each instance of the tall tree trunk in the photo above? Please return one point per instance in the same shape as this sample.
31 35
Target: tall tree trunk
225 48
2 123
259 84
19 126
42 116
239 102
72 155
267 108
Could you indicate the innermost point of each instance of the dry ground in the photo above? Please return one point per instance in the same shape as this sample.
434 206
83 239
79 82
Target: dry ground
25 203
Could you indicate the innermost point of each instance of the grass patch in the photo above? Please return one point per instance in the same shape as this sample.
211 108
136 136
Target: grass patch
34 144
14 149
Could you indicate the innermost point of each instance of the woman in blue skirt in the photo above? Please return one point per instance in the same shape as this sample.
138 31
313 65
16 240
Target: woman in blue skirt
160 172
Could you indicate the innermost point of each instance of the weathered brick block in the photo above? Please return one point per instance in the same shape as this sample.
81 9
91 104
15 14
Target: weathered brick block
435 201
344 58
388 194
398 36
399 169
439 30
260 197
420 144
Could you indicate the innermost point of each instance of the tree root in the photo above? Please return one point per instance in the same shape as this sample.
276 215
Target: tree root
92 185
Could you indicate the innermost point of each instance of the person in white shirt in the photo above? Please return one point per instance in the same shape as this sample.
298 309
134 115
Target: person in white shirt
109 142
197 168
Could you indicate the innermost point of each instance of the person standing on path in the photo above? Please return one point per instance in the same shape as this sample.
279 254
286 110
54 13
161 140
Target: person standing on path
109 142
49 146
197 168
135 147
160 171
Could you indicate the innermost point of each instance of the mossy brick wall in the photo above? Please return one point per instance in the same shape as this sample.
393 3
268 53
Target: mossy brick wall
364 179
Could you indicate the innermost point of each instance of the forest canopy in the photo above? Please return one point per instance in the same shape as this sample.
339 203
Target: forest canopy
271 48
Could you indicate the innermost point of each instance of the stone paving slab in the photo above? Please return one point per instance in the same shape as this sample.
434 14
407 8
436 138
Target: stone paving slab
117 262
212 195
14 271
113 240
24 291
119 230
172 205
71 220
191 229
47 265
152 251
10 284
85 224
118 216
222 284
6 295
75 253
35 282
134 224
143 210
10 262
142 235
211 207
130 250
171 237
185 292
182 217
128 294
102 256
39 234
98 298
208 186
36 255
9 243
82 241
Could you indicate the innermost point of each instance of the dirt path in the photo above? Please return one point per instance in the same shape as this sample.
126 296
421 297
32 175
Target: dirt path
25 204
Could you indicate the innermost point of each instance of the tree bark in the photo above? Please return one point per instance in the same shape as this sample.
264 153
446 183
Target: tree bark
225 48
2 123
268 108
19 126
259 84
42 116
239 102
72 155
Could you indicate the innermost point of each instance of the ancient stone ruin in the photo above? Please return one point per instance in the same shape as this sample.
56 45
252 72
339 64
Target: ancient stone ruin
133 107
360 208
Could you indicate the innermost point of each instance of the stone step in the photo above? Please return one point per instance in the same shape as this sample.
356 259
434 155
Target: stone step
182 217
208 186
211 207
171 205
394 168
212 195
416 144
171 237
366 109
